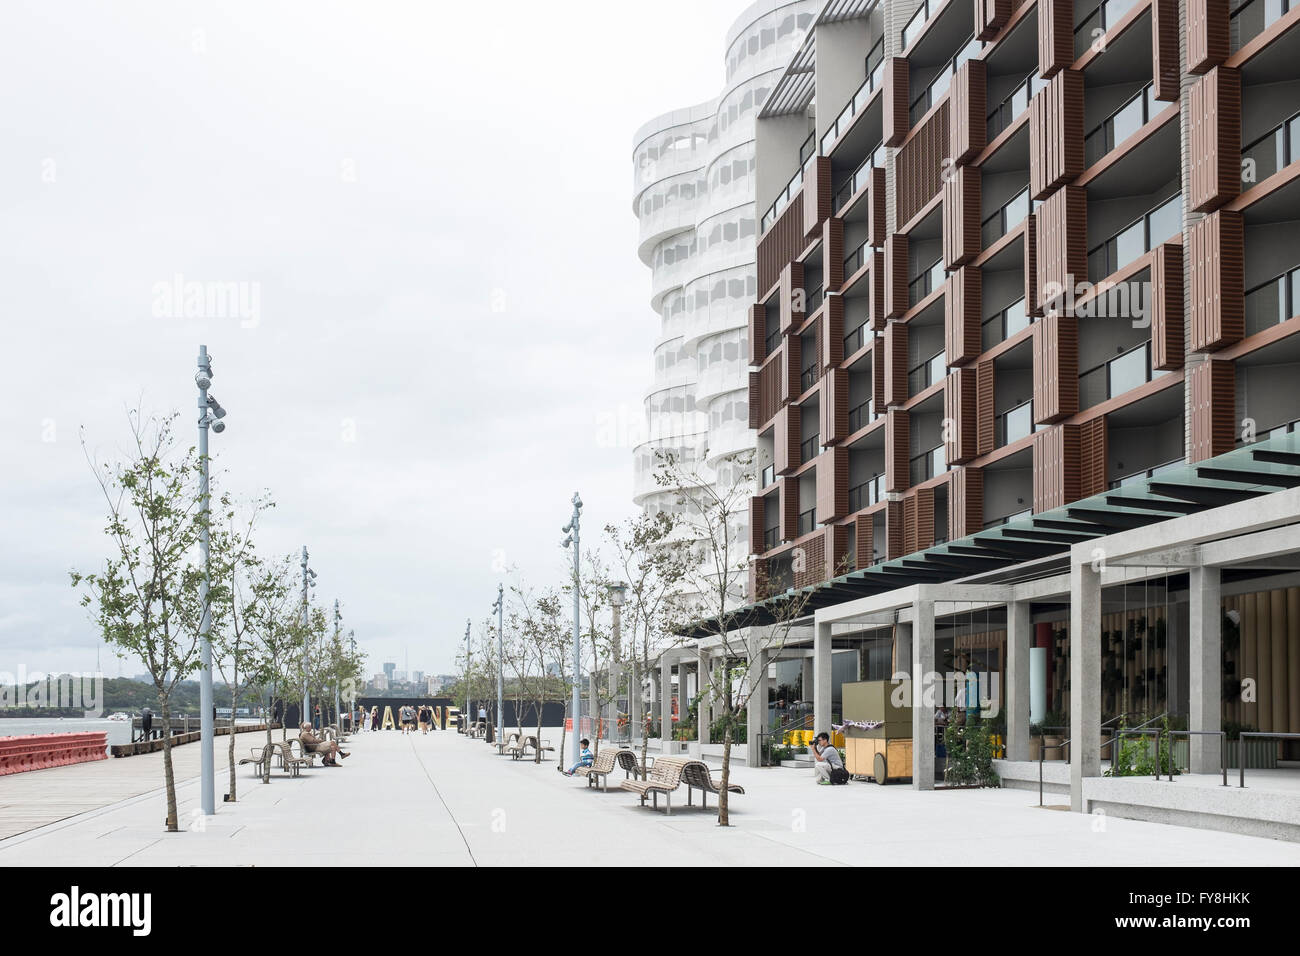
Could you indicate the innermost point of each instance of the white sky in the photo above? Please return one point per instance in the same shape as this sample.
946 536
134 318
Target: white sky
376 171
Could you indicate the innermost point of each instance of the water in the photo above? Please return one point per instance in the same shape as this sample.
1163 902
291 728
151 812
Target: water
119 731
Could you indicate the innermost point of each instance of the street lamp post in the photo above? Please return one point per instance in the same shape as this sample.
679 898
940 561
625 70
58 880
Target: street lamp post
210 414
617 597
338 714
573 529
467 714
308 580
499 607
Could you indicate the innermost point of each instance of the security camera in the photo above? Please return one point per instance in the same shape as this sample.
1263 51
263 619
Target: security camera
216 407
218 427
203 378
567 528
577 501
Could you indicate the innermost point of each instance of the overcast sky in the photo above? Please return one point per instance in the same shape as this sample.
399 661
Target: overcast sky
428 209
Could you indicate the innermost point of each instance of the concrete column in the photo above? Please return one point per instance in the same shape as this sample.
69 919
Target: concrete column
635 707
1206 667
705 716
665 704
756 709
1085 678
1020 634
903 646
806 679
924 689
821 668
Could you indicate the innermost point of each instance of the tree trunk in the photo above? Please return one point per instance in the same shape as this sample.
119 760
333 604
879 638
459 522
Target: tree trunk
231 749
168 776
266 754
723 802
645 743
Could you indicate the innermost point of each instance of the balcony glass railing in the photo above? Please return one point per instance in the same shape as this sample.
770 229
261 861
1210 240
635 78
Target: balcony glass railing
854 183
771 536
768 476
927 373
1006 218
1137 476
916 23
1015 103
1272 152
856 259
928 464
1250 19
875 73
1007 519
925 283
813 299
806 153
808 378
1014 424
870 492
1136 239
1002 325
1132 115
806 521
1273 301
773 339
1119 375
810 448
855 339
939 85
1107 14
862 415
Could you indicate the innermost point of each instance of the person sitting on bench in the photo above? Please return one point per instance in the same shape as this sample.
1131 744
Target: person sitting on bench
585 759
328 749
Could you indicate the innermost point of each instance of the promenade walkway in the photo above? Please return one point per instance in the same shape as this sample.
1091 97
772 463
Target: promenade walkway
444 800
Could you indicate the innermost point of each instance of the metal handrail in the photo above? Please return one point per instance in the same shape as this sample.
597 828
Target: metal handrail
1241 783
1223 760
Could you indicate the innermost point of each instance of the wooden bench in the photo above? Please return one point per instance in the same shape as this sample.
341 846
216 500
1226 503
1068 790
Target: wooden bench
290 762
521 748
606 762
631 765
697 775
508 742
258 757
664 777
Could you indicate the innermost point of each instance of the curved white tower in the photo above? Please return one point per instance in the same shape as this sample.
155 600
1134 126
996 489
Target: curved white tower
694 198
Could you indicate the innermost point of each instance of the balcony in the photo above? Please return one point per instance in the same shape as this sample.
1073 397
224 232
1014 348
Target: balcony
927 373
806 152
767 476
807 522
1133 114
856 259
855 182
810 448
926 282
1107 14
875 65
855 339
808 377
1002 325
917 23
1148 473
939 85
862 415
928 464
1272 302
1013 425
1248 20
1007 519
1005 219
1016 102
771 537
1275 150
813 298
1119 375
1136 239
773 340
870 492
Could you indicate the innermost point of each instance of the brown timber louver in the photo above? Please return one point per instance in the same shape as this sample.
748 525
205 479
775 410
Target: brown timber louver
898 462
830 333
836 545
756 526
961 216
895 100
756 400
1061 240
1056 133
758 579
895 356
1164 49
1214 124
965 502
961 416
817 194
1212 415
878 363
781 243
876 210
771 388
909 524
1215 297
967 118
896 303
791 367
1029 245
923 526
832 254
984 405
893 530
1056 467
835 406
962 304
788 489
1092 457
809 565
786 438
833 484
876 292
757 333
919 166
1207 34
1055 36
791 297
1166 305
863 546
1056 368
991 16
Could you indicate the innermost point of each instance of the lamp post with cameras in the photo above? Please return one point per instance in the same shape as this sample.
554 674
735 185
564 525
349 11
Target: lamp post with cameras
617 598
573 529
210 415
308 581
499 607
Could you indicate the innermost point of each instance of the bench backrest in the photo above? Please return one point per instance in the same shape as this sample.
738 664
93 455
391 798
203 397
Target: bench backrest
605 760
667 771
696 773
627 760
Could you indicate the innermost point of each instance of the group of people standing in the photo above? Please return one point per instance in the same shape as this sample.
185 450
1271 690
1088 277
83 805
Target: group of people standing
410 718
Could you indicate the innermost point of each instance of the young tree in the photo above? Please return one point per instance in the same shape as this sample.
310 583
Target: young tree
146 599
275 632
545 639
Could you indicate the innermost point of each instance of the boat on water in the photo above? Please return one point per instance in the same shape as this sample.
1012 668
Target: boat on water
119 716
